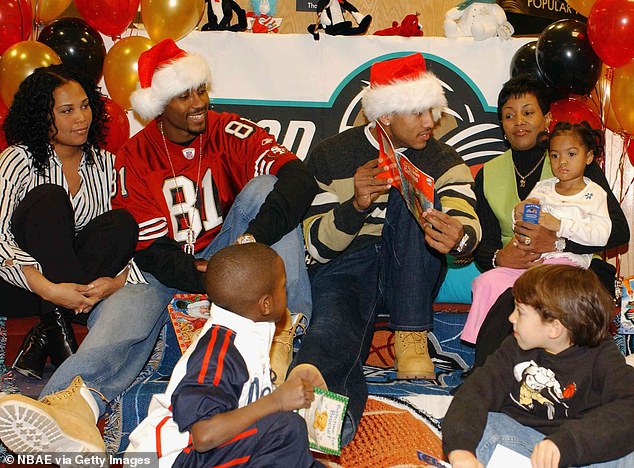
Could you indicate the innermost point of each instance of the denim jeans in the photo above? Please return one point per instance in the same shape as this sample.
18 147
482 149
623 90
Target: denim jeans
124 327
398 275
504 430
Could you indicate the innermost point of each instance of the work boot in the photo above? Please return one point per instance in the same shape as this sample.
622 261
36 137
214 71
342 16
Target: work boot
281 353
63 422
411 356
32 356
61 337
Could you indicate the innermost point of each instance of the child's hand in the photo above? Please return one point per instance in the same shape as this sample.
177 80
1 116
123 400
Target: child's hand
464 459
294 393
310 373
518 211
549 222
545 455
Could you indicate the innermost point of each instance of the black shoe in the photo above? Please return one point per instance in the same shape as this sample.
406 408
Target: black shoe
61 338
33 353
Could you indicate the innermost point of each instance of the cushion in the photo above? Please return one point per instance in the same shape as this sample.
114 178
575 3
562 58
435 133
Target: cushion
457 284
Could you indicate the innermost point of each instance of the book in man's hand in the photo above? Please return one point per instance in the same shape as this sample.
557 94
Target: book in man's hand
416 187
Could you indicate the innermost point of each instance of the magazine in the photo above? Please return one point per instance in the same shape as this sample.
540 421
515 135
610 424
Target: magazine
416 187
188 313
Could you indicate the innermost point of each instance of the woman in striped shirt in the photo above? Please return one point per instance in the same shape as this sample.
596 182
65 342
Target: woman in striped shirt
62 248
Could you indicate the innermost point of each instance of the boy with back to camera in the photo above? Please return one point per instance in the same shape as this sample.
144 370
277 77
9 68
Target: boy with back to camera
220 407
558 390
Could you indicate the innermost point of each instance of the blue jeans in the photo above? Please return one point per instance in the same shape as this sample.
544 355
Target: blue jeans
125 326
398 275
504 430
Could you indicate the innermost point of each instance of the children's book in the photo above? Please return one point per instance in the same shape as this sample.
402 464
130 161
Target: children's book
188 313
627 306
416 187
324 420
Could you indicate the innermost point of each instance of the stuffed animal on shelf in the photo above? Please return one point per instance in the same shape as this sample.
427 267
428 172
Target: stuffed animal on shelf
409 27
261 19
331 19
220 14
480 19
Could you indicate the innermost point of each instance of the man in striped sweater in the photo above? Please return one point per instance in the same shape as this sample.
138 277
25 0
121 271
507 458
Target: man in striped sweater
367 252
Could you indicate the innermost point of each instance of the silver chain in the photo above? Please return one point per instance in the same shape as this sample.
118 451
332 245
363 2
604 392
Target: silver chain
191 235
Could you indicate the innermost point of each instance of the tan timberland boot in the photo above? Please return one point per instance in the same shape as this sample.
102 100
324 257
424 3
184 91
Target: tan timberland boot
411 356
63 422
281 353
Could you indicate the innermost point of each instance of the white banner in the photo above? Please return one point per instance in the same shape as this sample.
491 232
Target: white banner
304 90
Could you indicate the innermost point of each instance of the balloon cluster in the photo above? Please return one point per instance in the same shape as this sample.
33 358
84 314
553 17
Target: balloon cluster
77 43
588 69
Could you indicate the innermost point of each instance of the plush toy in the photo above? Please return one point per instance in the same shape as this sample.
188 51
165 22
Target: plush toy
220 14
261 18
478 18
409 27
331 20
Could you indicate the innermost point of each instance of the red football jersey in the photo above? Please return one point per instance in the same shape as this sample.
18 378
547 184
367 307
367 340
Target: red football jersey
165 200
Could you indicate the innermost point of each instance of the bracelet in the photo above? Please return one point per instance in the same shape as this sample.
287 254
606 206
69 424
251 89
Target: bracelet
462 244
495 255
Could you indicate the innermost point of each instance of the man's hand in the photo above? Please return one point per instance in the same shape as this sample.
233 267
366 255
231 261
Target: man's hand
534 237
545 455
442 232
367 187
294 393
463 459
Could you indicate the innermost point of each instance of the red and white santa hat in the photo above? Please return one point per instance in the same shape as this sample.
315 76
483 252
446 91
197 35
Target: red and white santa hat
402 86
165 71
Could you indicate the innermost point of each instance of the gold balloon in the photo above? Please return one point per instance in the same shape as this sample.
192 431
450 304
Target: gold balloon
47 10
120 71
623 96
582 7
600 99
171 18
19 61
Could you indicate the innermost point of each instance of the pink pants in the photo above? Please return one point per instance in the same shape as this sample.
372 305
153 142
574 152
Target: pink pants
486 288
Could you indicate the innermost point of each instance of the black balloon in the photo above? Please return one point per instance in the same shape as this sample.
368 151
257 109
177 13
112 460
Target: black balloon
525 61
78 45
566 59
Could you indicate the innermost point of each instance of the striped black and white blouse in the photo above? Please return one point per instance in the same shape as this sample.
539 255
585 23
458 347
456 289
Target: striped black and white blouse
18 176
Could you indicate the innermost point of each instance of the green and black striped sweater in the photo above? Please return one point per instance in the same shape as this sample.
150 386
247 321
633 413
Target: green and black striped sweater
333 225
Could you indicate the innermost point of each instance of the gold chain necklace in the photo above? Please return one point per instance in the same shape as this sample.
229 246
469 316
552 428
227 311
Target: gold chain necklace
191 235
524 177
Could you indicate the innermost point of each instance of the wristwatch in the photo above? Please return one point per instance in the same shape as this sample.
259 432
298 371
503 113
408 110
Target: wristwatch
560 244
245 239
459 248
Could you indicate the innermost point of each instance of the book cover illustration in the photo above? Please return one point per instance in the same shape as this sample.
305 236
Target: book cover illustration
627 306
324 420
416 187
188 313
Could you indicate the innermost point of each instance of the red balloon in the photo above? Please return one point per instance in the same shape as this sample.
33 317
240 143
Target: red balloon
611 31
3 114
573 110
16 22
118 126
110 17
630 149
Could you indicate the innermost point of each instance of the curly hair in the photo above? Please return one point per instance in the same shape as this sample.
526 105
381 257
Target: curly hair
30 118
589 137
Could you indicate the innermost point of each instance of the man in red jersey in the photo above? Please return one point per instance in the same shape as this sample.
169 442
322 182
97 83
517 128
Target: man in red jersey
195 181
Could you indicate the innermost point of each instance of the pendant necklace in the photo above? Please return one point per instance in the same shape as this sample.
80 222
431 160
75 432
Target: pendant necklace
524 177
191 235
